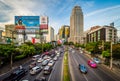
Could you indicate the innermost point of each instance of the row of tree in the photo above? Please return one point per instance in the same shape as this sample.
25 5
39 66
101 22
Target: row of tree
19 52
100 47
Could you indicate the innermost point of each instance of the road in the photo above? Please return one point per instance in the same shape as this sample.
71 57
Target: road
94 74
55 75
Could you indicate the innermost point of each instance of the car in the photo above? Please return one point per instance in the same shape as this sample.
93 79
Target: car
25 80
51 63
16 75
47 70
96 60
33 64
41 79
92 64
82 68
45 62
55 58
35 57
35 70
40 60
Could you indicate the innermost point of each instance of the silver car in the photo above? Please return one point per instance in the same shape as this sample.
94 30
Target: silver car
35 70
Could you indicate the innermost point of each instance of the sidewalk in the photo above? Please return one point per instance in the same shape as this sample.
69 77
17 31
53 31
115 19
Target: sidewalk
7 68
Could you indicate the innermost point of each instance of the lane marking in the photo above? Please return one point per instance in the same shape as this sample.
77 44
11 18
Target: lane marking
51 74
85 77
78 56
71 71
62 68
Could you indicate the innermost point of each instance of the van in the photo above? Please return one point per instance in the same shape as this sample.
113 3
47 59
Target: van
47 70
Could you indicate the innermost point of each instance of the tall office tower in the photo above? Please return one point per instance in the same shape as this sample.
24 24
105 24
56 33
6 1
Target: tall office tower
76 25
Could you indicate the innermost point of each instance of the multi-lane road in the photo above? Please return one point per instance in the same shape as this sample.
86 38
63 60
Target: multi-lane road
55 75
100 73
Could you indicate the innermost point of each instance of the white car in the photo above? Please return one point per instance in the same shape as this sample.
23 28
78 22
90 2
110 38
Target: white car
96 60
35 70
51 63
40 60
55 58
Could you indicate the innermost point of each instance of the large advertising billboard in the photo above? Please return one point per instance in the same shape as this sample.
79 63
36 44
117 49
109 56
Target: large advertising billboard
29 23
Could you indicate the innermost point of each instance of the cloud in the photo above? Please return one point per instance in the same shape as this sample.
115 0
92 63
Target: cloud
102 10
103 17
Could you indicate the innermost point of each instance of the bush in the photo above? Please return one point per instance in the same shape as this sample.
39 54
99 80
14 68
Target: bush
19 57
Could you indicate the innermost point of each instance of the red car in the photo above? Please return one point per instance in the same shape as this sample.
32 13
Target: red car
92 64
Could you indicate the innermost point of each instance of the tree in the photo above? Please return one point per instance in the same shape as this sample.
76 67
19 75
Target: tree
27 50
116 51
106 54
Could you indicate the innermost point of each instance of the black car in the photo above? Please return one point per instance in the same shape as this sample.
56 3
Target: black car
16 75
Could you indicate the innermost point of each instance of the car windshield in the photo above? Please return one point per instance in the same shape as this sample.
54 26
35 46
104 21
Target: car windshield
96 59
92 62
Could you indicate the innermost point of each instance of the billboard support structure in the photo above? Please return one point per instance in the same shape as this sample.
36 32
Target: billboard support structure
41 34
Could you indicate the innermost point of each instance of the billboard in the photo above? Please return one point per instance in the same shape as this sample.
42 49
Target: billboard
44 24
27 21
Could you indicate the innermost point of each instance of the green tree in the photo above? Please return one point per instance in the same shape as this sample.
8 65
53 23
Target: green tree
106 54
116 51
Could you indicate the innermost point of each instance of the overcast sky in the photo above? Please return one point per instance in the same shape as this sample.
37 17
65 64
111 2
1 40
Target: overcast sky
96 12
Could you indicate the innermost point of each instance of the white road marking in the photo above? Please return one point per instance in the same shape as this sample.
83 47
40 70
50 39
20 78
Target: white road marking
73 78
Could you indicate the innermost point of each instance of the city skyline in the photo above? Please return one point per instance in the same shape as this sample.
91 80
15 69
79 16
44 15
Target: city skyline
95 12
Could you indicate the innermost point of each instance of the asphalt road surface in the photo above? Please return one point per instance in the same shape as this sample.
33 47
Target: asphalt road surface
94 74
55 75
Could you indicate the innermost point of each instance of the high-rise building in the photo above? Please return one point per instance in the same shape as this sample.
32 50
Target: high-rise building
50 35
64 32
76 25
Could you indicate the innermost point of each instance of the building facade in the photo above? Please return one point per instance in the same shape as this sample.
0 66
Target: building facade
99 33
76 25
50 36
10 33
64 32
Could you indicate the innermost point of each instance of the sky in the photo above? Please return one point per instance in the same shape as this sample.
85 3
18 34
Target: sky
96 12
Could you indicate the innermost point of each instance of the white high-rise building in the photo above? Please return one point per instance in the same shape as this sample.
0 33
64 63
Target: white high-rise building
76 25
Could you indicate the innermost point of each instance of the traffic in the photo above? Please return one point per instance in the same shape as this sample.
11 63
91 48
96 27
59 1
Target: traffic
39 68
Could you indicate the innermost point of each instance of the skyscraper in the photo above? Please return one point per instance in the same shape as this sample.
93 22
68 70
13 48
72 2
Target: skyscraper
76 25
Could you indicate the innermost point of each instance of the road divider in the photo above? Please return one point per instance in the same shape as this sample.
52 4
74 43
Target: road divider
66 74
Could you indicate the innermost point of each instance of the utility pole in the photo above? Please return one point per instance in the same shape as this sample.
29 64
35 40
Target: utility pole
102 45
111 59
11 57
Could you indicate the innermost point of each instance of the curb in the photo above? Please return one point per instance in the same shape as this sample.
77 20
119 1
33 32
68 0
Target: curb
117 72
